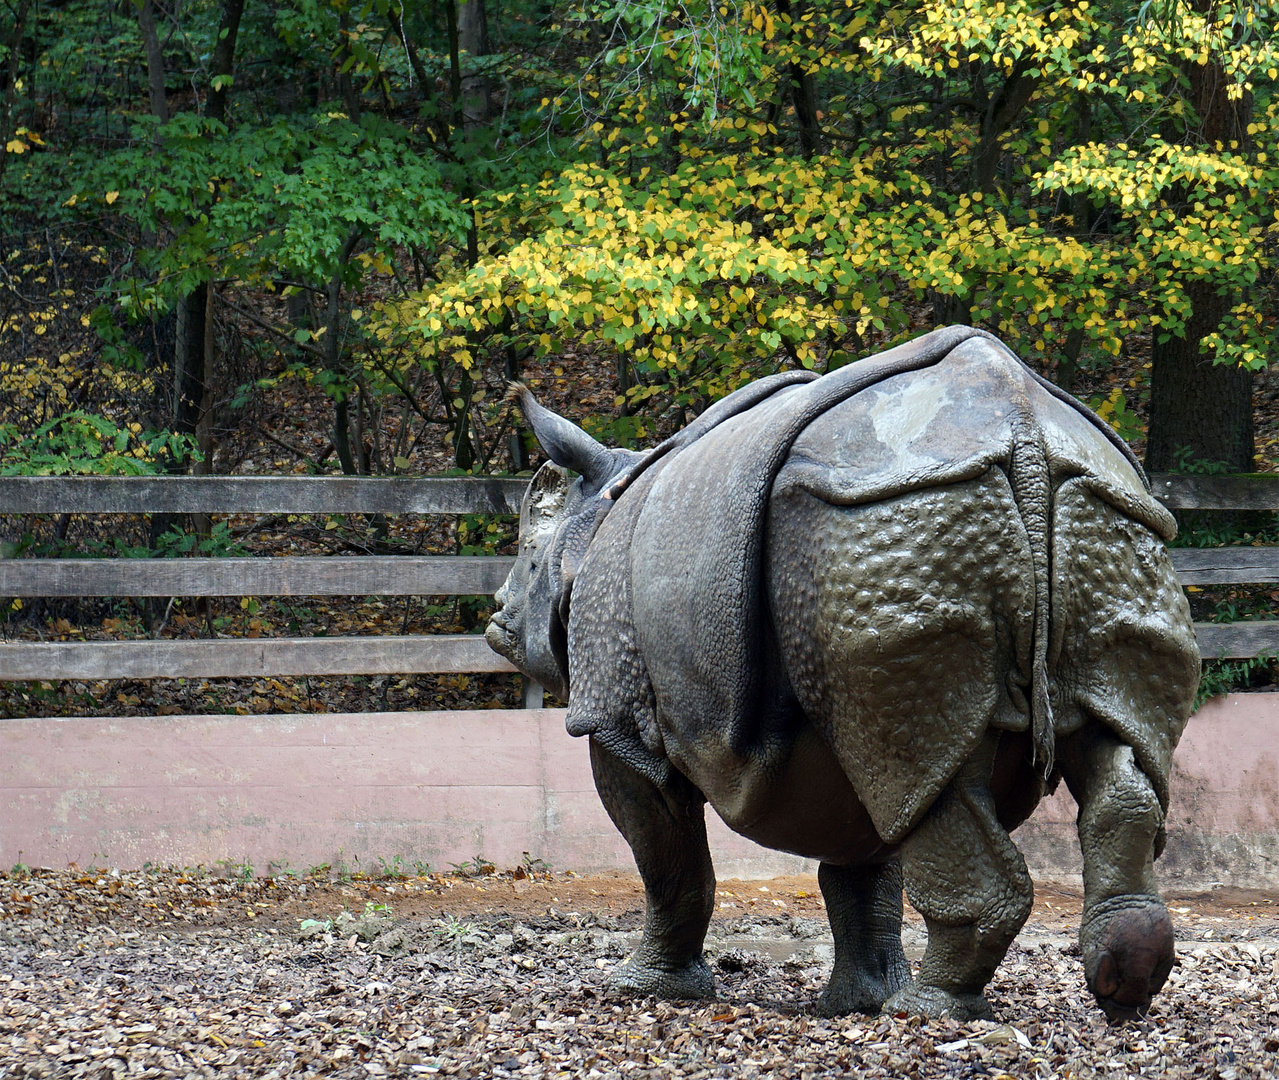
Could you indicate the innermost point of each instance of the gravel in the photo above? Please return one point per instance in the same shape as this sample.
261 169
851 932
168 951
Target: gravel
182 974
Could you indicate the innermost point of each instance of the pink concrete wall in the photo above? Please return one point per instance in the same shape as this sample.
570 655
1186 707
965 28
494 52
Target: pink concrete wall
440 787
443 787
1223 821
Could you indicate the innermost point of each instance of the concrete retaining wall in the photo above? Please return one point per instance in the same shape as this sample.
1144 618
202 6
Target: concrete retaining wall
301 790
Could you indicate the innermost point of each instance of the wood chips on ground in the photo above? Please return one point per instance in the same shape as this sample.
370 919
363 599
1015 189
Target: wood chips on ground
190 974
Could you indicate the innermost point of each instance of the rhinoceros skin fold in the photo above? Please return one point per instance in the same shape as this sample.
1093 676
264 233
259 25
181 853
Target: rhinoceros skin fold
870 618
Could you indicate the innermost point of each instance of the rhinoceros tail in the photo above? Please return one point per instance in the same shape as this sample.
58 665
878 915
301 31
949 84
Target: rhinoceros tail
1032 491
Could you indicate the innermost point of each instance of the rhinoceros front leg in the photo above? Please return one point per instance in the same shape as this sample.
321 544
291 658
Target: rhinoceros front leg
1126 934
969 881
666 830
864 904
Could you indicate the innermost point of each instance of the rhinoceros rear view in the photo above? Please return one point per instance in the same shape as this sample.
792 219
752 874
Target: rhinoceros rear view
871 618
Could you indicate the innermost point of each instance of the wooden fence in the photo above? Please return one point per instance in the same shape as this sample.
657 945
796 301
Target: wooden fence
407 575
284 576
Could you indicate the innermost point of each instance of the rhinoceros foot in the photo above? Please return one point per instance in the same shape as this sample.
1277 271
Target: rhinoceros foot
1128 951
640 975
933 1002
860 991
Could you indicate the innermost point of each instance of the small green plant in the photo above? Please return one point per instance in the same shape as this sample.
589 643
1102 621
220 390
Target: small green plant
1238 609
422 869
1185 463
320 870
454 930
21 871
81 443
1223 676
534 866
476 866
343 919
393 867
243 870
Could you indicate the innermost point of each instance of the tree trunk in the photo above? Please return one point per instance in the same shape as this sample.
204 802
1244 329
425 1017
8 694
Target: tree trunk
346 85
511 372
10 78
1200 412
223 62
189 360
1003 110
333 355
155 61
473 39
455 59
803 86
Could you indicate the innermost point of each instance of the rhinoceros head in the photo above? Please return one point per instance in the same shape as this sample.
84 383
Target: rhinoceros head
558 517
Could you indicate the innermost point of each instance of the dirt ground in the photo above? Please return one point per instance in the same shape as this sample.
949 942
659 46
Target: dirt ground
191 974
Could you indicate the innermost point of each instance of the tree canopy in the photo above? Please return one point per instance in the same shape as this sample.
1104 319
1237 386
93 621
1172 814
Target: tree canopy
405 203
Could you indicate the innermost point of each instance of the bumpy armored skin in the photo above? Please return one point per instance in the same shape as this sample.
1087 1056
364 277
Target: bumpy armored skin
870 618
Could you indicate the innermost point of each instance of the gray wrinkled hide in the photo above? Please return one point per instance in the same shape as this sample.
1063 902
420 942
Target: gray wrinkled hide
862 615
860 551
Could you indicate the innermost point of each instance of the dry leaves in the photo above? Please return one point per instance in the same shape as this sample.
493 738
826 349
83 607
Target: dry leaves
188 975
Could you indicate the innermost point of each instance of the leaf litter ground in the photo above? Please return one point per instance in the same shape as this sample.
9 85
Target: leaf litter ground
192 974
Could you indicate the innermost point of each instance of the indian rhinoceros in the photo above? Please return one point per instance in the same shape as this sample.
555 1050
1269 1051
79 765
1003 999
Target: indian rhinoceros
870 618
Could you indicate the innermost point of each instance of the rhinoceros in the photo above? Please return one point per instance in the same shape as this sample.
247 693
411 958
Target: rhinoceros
871 618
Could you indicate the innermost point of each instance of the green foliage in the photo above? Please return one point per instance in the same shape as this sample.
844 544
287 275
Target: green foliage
289 199
1115 411
78 443
241 871
1187 463
691 194
696 249
476 866
393 867
1228 676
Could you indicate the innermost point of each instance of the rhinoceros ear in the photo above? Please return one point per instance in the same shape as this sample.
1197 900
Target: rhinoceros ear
565 443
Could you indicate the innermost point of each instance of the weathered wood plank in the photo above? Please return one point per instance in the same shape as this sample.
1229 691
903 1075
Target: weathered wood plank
1253 491
285 576
432 495
409 575
260 495
224 657
1225 566
1237 641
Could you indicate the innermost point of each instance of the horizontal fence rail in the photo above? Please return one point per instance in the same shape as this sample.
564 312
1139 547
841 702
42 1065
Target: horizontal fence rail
432 495
1253 491
1239 640
366 575
167 658
260 495
410 575
1225 566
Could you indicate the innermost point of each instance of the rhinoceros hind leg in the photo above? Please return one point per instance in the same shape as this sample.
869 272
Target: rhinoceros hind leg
864 905
969 881
666 829
1126 935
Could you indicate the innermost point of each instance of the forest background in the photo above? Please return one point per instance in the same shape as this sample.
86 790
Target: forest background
318 236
